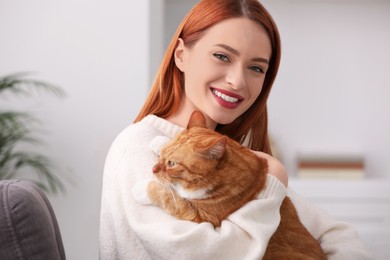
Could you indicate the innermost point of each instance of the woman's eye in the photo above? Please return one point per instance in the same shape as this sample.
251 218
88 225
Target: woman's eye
171 163
257 69
221 57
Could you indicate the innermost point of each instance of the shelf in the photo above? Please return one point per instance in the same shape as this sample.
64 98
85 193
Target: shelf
329 188
364 203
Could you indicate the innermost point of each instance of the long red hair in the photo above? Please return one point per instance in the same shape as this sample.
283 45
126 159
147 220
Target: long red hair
167 88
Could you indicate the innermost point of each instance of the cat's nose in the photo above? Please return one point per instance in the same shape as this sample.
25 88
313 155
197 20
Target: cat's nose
156 168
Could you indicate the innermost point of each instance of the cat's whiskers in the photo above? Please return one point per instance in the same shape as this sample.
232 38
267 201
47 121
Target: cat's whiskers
169 187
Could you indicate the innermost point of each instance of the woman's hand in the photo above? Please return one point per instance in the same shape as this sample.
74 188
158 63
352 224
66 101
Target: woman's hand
275 167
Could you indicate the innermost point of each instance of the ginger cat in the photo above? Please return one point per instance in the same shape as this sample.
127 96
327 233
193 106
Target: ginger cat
204 176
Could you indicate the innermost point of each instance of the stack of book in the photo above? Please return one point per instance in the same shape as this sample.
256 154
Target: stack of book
331 167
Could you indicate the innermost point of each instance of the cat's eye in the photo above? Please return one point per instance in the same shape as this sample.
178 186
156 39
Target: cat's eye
171 163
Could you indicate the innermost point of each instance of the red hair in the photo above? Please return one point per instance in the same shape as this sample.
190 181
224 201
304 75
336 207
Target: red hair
167 89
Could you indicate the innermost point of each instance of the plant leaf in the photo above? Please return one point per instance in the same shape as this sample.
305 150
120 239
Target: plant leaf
17 83
15 129
42 167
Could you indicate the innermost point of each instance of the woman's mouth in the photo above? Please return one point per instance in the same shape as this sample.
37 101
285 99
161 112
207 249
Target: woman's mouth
226 98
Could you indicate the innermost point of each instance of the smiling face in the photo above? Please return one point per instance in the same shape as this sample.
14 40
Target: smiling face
223 71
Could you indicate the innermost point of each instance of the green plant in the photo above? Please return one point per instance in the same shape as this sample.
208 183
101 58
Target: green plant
16 132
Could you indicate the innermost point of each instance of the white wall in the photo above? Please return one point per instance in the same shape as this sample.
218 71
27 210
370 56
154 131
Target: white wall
331 93
98 52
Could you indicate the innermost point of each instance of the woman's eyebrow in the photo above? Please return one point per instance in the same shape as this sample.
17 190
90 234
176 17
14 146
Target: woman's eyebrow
227 47
236 52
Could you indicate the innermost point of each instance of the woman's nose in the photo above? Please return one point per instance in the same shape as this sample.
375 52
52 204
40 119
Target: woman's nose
236 77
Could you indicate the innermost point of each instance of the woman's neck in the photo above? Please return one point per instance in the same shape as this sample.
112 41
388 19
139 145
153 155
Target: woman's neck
182 115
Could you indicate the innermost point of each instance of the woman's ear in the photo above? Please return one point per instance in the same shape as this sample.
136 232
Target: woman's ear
179 54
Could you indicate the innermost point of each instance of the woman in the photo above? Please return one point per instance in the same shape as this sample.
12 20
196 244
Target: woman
222 61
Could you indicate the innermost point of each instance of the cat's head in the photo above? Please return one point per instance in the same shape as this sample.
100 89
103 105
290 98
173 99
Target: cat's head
190 161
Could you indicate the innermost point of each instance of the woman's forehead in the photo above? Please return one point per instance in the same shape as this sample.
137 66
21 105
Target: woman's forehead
241 34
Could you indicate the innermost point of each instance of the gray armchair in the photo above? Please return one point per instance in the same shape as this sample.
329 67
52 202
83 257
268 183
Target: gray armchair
28 226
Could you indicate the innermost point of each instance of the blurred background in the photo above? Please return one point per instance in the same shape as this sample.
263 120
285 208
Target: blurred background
330 98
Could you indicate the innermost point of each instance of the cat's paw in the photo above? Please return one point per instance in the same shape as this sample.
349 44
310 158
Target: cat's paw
140 192
158 142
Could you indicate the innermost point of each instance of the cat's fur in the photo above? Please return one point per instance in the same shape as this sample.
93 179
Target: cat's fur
204 176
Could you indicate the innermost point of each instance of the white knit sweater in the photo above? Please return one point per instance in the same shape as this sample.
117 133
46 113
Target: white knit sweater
129 230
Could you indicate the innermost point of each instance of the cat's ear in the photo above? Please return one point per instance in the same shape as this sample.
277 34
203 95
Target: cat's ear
197 119
217 149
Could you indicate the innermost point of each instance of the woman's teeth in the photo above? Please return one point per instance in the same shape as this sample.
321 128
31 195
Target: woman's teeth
225 97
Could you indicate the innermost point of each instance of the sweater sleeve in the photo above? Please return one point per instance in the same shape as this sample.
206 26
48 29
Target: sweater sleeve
338 239
129 230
